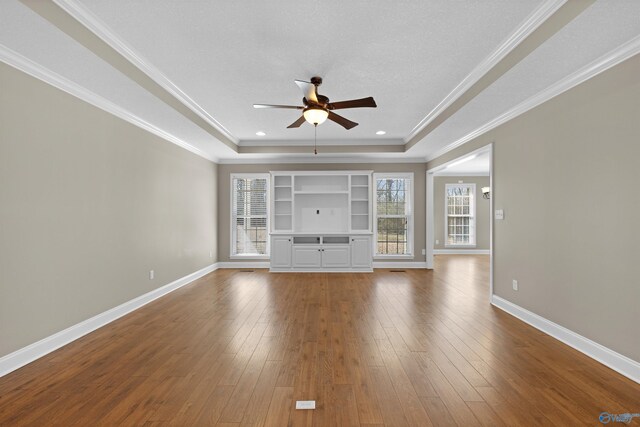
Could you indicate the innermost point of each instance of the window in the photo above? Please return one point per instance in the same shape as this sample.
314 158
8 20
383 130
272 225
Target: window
249 215
394 215
460 215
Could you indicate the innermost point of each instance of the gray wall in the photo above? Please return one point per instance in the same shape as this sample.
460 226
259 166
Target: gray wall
566 174
88 205
224 186
483 217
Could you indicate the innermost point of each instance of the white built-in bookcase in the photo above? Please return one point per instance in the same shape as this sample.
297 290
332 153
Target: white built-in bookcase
321 221
321 202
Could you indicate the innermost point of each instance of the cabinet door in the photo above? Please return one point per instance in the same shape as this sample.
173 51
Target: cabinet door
361 252
307 256
336 256
281 252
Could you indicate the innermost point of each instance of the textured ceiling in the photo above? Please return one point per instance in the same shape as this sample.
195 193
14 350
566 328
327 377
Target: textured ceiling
229 55
599 29
225 56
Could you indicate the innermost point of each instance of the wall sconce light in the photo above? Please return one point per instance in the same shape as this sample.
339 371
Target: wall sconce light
486 192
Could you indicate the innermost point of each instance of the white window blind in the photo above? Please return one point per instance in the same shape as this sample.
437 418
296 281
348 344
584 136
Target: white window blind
393 215
249 221
460 214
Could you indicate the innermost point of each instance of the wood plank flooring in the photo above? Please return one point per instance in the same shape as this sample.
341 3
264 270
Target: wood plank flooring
238 348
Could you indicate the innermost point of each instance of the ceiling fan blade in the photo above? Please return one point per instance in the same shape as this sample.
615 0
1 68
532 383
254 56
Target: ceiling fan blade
297 123
291 107
353 103
345 123
309 90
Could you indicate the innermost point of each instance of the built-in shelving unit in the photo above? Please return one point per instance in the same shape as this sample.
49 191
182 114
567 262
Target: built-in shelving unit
360 202
321 220
320 202
282 202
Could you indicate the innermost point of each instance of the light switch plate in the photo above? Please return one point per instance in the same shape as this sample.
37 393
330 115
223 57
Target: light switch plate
305 404
499 214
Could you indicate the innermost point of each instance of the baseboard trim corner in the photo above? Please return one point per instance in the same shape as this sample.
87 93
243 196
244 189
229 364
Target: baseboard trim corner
616 361
38 349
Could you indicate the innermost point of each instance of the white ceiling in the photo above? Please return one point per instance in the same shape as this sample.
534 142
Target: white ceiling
225 56
475 164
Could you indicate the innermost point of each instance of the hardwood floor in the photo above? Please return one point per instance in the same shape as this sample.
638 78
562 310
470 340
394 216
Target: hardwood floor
238 348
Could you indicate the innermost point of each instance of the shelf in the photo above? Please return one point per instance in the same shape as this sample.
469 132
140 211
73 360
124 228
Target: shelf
360 185
359 200
282 186
283 200
284 214
360 214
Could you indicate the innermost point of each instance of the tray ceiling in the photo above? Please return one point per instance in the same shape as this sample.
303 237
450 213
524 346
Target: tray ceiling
192 70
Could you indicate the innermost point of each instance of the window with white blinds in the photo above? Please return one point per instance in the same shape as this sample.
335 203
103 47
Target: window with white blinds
249 214
393 212
460 214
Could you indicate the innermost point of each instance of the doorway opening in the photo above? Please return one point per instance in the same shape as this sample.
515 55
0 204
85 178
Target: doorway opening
459 208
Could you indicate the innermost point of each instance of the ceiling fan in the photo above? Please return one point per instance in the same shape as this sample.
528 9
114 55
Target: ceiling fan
317 108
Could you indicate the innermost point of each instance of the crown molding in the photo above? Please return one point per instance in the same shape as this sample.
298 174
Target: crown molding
321 142
540 15
80 13
611 59
52 78
320 160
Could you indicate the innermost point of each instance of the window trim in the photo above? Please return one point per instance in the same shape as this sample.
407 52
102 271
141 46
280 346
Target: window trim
410 215
472 224
232 240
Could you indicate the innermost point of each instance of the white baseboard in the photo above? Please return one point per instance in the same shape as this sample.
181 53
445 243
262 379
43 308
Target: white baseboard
28 354
399 264
244 264
461 252
616 361
326 270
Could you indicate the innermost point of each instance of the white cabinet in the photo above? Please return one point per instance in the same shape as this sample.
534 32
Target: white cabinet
307 256
361 252
336 256
281 251
321 220
321 253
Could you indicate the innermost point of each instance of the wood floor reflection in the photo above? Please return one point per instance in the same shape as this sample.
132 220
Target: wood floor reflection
238 348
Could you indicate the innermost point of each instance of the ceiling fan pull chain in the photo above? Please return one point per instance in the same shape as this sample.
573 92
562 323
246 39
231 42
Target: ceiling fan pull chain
315 138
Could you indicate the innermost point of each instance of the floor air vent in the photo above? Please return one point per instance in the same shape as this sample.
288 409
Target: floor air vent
397 271
246 271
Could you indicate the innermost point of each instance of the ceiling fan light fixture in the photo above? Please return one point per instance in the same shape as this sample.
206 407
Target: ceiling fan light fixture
315 116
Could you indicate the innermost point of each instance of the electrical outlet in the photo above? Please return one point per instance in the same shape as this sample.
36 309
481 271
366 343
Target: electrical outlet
152 274
515 285
424 252
437 242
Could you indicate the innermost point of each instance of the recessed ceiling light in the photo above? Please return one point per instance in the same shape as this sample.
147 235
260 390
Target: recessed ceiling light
380 132
260 133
